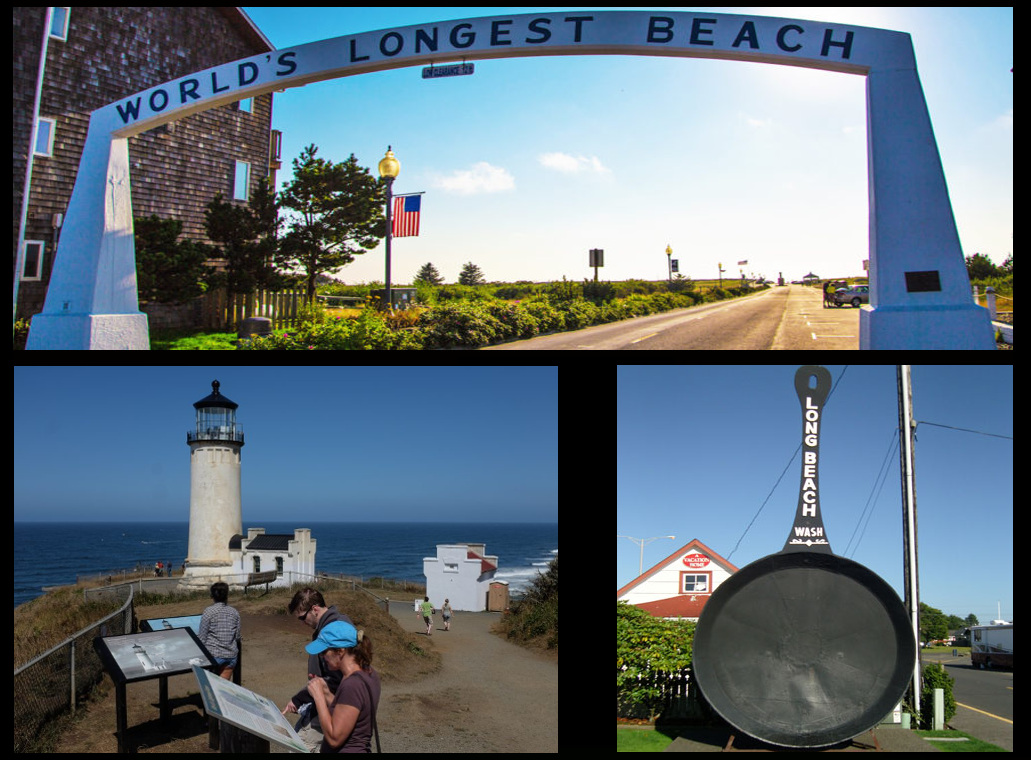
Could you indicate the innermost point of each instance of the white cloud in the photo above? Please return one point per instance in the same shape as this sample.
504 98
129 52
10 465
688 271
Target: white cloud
1005 121
755 123
563 162
481 177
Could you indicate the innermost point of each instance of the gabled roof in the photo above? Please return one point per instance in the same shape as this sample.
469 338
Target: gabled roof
693 544
245 27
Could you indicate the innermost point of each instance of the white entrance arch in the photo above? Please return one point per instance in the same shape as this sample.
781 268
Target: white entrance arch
920 294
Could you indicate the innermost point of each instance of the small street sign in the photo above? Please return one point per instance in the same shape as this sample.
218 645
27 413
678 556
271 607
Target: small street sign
454 70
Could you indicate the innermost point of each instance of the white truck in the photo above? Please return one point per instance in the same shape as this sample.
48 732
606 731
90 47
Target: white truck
991 646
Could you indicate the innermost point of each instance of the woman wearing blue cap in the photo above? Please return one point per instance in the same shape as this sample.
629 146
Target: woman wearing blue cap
348 718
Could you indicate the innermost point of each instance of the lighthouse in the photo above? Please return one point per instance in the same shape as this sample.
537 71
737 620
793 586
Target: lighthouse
215 512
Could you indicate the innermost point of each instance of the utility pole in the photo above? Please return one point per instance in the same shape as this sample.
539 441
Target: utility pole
907 428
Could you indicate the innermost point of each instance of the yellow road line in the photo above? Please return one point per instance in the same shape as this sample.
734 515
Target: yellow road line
985 713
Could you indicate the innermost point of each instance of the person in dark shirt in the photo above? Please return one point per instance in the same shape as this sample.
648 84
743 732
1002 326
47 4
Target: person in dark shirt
348 717
309 607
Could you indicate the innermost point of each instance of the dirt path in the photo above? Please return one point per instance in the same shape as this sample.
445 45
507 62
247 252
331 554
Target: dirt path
488 695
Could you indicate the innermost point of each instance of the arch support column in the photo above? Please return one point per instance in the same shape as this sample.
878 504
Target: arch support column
920 294
92 299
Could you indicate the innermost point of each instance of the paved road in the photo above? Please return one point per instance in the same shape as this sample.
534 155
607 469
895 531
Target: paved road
984 698
788 318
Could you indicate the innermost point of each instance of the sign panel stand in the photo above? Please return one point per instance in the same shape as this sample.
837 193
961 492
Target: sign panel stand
244 709
135 657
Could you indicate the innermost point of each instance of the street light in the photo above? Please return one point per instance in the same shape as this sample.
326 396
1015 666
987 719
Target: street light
389 168
641 542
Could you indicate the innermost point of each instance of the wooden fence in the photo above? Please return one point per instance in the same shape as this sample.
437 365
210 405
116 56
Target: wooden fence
670 696
221 312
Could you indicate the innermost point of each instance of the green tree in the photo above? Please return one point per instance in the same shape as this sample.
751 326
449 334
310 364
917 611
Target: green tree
168 271
429 274
471 275
246 236
338 214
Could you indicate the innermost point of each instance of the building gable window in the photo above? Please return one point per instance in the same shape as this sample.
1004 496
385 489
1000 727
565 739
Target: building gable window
694 583
242 181
33 260
59 23
44 145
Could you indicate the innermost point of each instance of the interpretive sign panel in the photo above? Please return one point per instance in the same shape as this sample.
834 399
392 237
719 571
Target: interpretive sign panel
244 709
140 656
161 624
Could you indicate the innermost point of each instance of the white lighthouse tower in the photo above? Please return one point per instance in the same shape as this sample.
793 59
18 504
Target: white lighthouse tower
215 513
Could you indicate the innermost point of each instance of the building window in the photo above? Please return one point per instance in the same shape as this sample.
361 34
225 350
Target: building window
246 105
242 181
450 567
59 23
33 260
44 145
694 584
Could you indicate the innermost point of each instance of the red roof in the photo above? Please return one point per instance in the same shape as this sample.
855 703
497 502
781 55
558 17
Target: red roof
685 606
485 565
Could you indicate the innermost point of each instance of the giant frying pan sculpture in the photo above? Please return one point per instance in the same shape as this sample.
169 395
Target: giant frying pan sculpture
803 648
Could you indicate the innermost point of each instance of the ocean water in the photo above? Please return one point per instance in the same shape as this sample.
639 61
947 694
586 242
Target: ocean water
51 554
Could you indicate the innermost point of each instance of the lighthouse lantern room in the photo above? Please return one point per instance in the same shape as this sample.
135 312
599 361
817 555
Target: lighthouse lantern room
215 511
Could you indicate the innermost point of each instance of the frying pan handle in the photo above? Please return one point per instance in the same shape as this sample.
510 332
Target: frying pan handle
807 532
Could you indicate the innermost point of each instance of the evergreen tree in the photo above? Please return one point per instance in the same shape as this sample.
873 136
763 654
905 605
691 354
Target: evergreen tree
338 214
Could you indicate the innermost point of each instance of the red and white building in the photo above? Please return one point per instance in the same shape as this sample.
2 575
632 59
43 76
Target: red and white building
680 585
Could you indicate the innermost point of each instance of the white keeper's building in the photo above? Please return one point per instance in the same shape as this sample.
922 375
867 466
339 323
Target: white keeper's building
292 557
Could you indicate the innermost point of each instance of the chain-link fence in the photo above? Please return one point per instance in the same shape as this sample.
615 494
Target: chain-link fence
53 682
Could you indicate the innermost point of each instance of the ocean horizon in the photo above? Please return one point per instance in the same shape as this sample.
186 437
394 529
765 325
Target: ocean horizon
57 553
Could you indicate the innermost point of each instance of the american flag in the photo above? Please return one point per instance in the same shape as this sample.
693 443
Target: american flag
406 216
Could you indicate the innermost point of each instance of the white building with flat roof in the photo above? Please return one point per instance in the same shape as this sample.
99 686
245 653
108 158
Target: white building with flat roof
461 573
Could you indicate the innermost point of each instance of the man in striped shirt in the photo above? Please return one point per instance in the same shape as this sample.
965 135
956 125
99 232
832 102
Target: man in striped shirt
220 629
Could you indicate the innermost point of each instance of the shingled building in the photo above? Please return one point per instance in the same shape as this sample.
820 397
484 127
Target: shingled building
70 61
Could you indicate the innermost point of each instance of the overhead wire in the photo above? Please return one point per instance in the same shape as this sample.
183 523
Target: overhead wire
871 500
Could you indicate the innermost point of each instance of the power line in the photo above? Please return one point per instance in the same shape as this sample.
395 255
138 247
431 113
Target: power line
965 430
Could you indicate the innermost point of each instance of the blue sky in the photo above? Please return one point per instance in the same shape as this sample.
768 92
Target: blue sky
699 449
364 444
531 162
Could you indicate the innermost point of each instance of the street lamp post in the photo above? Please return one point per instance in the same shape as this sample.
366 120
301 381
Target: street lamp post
641 542
389 168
